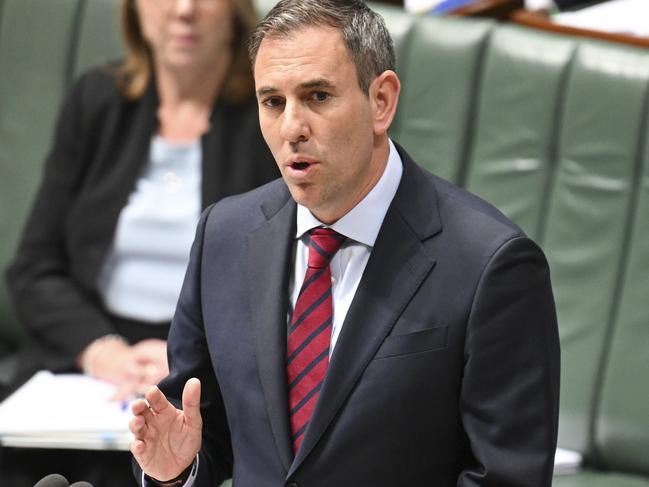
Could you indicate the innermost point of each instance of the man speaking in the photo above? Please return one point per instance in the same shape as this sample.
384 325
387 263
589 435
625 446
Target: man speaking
360 322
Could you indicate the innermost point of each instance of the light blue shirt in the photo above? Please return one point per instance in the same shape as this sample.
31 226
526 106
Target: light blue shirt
145 266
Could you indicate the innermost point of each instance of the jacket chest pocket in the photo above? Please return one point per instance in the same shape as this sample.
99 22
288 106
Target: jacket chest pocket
416 342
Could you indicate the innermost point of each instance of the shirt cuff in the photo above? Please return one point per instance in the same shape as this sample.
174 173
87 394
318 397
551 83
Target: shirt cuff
147 482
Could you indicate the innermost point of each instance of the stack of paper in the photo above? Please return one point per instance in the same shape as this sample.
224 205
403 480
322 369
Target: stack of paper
76 411
539 4
567 461
419 6
65 411
435 7
615 16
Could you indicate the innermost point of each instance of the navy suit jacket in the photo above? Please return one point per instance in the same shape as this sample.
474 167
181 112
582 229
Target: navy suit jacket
446 372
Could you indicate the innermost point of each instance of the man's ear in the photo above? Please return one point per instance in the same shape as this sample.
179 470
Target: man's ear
384 97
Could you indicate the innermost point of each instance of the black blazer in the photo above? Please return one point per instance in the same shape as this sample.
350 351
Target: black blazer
100 146
446 371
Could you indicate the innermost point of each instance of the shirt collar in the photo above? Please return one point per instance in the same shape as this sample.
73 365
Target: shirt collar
363 222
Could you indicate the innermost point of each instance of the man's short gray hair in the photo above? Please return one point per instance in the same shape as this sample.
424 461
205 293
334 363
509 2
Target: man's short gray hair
363 31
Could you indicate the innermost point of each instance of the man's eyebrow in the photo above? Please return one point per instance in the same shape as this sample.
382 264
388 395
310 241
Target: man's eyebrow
317 83
266 90
307 85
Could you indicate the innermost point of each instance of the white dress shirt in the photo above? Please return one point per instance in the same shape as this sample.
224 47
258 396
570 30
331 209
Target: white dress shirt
361 227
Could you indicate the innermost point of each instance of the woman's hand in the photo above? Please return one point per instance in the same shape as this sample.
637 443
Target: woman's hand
132 368
152 354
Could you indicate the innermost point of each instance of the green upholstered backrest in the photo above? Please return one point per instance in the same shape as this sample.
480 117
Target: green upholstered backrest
513 156
599 479
36 38
98 37
622 432
438 61
43 45
263 6
551 129
587 220
548 129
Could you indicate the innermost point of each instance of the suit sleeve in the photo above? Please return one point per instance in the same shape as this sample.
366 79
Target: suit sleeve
61 318
189 357
510 390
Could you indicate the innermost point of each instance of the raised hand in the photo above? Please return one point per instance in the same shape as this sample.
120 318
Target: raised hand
167 439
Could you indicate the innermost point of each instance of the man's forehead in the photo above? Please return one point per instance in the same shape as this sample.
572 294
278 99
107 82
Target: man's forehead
312 56
320 40
297 33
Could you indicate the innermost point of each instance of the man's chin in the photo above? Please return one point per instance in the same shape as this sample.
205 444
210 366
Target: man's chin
303 194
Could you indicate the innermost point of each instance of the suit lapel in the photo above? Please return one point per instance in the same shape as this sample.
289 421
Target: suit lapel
269 263
121 163
397 266
214 155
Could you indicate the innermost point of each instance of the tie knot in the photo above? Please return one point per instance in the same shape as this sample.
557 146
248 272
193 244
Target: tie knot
325 242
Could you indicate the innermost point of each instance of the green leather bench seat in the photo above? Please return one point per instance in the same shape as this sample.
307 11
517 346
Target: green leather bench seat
433 120
44 44
35 46
98 36
588 219
513 158
622 433
554 130
598 479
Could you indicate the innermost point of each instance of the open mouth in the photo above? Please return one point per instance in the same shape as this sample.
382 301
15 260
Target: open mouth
300 165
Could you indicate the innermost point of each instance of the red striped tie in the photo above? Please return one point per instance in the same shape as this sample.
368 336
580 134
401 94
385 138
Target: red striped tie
309 334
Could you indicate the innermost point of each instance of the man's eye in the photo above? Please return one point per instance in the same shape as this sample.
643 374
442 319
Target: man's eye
320 96
272 102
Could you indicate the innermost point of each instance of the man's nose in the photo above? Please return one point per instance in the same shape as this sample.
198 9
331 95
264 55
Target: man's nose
184 7
295 127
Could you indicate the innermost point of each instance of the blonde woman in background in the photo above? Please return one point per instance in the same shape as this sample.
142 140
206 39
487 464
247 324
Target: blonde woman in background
141 148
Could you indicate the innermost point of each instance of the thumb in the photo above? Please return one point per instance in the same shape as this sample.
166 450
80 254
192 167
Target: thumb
192 403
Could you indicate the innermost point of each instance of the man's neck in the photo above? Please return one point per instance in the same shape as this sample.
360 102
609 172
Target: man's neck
376 168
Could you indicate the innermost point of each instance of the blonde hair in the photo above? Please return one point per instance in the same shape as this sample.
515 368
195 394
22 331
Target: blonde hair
134 74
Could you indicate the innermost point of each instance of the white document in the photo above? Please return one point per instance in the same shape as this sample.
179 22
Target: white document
65 411
539 4
614 16
567 461
75 411
420 6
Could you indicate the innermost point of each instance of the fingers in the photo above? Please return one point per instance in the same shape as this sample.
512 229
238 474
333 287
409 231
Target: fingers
155 373
150 342
139 407
192 403
151 357
137 447
141 415
138 427
154 351
139 380
141 453
158 403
